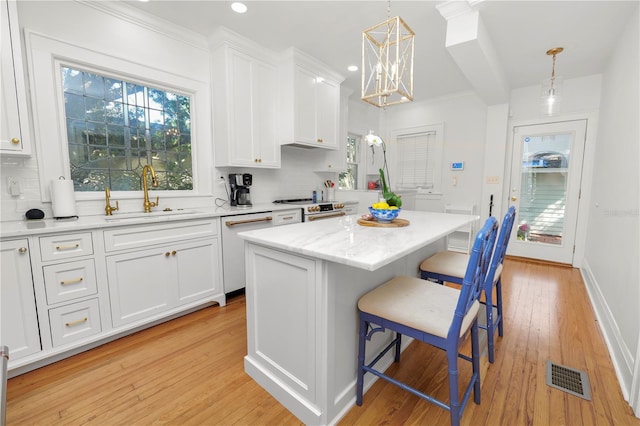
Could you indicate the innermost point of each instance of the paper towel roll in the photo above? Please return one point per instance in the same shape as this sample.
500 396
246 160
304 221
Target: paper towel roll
63 198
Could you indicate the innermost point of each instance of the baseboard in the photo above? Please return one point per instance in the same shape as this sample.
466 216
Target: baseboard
537 261
621 356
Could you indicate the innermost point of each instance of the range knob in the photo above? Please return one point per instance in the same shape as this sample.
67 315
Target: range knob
338 206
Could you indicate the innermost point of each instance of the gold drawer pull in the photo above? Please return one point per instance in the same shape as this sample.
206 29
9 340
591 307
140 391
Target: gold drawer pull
76 322
69 247
15 141
243 222
74 281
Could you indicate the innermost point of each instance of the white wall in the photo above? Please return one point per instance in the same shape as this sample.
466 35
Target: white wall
612 245
464 117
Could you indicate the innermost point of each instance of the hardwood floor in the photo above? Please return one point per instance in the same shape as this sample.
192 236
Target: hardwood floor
190 371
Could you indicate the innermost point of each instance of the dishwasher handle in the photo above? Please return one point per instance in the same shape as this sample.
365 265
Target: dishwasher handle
231 223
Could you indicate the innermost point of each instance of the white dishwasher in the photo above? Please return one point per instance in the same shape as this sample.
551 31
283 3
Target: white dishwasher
233 271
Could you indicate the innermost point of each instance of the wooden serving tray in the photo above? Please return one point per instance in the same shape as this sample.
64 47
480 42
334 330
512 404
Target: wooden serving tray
395 223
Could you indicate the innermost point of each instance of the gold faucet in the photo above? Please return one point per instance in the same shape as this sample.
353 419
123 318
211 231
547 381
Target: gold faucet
145 187
108 209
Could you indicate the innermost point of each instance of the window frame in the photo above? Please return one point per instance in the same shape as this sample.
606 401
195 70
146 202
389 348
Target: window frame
47 57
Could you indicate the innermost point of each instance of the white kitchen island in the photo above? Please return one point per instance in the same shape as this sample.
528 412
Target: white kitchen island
303 283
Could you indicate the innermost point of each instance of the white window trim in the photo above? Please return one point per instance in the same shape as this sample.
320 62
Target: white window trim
435 160
46 54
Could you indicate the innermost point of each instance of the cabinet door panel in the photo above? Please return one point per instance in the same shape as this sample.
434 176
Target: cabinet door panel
198 269
327 110
141 284
19 320
305 105
265 115
13 108
241 132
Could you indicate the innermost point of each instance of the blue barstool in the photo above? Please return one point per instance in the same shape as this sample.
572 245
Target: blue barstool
435 314
450 266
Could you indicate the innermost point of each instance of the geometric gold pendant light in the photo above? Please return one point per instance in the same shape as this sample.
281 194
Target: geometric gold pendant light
387 62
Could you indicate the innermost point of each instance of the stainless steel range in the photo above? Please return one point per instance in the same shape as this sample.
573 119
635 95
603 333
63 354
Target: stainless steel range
315 211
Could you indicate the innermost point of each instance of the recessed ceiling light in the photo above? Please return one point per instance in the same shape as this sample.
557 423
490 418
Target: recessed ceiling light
238 7
353 68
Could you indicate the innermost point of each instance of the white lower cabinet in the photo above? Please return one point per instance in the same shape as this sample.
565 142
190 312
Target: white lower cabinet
146 283
76 290
19 321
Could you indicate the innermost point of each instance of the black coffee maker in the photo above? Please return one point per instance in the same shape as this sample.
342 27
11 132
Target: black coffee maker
239 184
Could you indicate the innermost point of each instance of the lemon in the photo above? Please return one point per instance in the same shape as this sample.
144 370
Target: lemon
393 208
380 205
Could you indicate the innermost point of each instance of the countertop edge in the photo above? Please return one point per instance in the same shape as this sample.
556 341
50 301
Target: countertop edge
27 228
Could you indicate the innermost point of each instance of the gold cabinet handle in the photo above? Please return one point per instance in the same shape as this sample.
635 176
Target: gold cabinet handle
76 322
167 254
514 198
174 252
73 281
22 250
320 140
325 216
242 222
15 141
69 247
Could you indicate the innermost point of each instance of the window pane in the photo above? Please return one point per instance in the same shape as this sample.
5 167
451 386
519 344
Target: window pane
115 127
415 160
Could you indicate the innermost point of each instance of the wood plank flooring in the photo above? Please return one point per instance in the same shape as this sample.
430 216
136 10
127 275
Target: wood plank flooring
189 371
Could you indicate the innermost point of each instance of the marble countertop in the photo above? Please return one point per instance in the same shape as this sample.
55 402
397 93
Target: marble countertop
24 228
343 240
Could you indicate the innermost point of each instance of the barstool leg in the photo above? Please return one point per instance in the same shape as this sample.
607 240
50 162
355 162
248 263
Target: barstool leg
361 353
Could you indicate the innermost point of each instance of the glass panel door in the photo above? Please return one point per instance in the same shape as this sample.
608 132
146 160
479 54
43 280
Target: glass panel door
545 188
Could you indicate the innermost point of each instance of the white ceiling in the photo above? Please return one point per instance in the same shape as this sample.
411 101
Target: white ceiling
520 31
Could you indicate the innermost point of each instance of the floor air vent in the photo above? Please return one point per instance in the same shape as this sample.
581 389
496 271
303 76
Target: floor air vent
569 380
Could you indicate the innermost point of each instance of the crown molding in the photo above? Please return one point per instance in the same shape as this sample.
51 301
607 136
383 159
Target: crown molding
130 14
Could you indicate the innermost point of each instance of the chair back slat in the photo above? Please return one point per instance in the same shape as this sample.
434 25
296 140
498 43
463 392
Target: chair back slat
501 244
477 270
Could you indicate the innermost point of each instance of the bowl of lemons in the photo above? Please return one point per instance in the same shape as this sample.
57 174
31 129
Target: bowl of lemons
383 212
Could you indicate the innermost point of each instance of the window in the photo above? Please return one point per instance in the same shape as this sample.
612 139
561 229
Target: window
116 127
419 158
349 179
183 157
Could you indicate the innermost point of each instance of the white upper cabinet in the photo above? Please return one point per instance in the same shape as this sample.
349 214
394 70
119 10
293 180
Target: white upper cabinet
14 128
310 102
245 104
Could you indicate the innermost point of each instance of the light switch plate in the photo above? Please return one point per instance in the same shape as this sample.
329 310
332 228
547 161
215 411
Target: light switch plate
13 185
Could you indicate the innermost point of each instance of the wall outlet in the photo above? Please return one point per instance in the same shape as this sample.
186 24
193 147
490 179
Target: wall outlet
13 185
493 179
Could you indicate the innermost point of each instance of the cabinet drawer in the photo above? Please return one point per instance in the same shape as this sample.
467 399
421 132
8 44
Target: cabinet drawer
153 235
74 322
286 217
65 246
68 281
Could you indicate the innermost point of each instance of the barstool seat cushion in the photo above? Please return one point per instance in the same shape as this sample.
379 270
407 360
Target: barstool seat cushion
452 264
417 303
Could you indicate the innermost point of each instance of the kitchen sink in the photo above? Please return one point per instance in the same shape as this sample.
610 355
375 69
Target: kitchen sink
158 214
